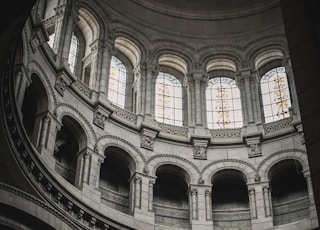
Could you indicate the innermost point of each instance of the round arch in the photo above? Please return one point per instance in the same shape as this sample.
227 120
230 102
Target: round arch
164 159
289 154
212 168
66 109
109 140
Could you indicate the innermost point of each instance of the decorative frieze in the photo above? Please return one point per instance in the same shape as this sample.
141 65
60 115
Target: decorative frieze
226 133
230 215
173 130
124 114
278 126
82 88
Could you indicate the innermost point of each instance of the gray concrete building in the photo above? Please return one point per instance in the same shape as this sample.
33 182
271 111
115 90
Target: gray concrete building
159 115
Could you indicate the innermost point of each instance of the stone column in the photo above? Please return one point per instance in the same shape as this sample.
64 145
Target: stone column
67 16
253 205
200 82
150 71
191 101
85 171
91 186
143 195
266 199
108 50
312 206
137 192
22 82
208 203
292 87
94 62
260 205
243 78
150 202
200 207
194 204
43 140
197 76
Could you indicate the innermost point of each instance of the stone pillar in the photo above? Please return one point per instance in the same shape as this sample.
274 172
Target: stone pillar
267 201
85 171
43 140
260 206
292 87
137 192
94 62
67 16
22 82
140 203
197 76
150 202
150 71
108 50
200 82
200 207
143 197
194 204
312 206
191 101
208 203
252 200
82 167
243 78
138 86
90 187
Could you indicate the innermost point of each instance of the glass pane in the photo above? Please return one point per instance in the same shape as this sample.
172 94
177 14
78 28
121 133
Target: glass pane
223 99
276 95
169 98
117 82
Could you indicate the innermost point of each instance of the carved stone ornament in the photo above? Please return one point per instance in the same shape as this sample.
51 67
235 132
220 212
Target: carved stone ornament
255 150
60 86
147 142
100 117
200 149
254 146
147 138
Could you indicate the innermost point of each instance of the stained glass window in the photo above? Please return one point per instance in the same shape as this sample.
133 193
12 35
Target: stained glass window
168 107
275 95
223 104
117 82
73 53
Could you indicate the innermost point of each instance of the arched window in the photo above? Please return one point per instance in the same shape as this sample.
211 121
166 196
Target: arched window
117 82
168 107
275 94
73 53
223 104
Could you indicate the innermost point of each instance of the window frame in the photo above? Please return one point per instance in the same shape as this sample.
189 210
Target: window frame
227 75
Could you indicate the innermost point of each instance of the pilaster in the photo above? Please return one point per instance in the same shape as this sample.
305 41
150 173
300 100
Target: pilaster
200 207
260 205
